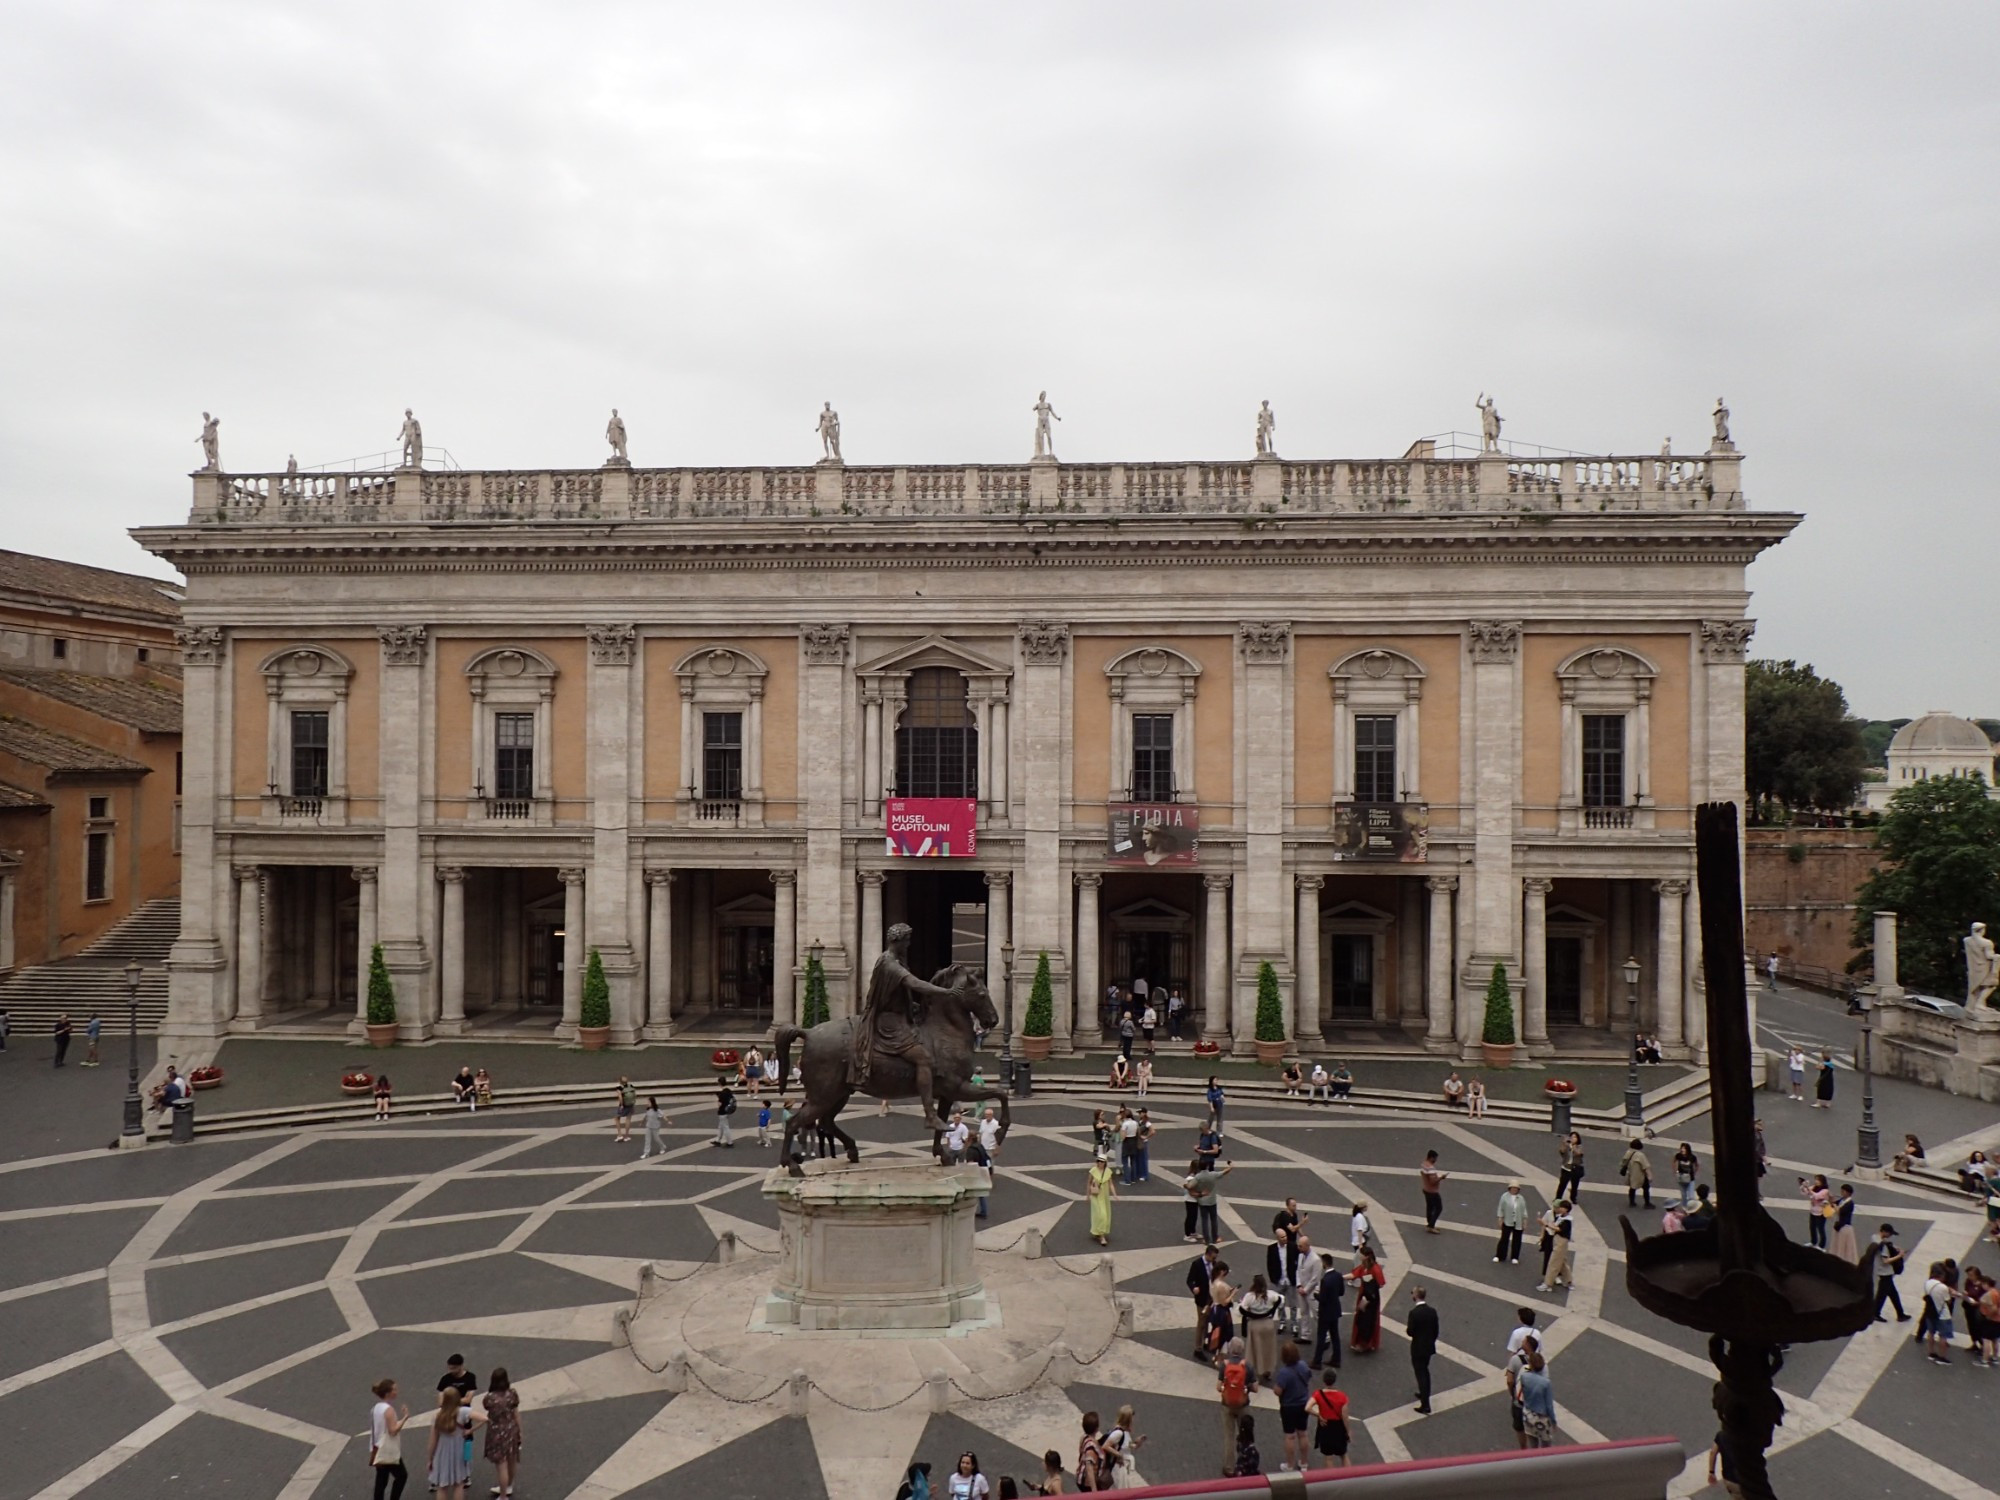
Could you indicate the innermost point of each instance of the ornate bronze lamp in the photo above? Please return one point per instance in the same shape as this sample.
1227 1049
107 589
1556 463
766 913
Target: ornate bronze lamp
1742 1281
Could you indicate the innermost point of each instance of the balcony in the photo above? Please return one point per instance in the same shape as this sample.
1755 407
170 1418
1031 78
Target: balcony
509 809
1610 817
725 811
302 809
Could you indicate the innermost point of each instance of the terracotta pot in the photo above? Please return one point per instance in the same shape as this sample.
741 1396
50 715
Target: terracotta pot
1036 1048
1498 1055
1270 1054
593 1038
381 1036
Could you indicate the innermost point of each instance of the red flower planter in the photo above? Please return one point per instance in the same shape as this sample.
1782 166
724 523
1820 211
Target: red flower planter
205 1078
357 1083
1207 1049
724 1059
1559 1088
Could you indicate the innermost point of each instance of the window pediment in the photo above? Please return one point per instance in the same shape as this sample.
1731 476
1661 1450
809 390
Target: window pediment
308 664
1606 674
934 651
1152 664
504 663
720 665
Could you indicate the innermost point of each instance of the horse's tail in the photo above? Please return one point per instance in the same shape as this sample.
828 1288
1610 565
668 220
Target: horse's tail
785 1037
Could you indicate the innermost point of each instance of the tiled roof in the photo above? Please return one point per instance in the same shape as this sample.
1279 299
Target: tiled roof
148 707
67 584
59 752
12 796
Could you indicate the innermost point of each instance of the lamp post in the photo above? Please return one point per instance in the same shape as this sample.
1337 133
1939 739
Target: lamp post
1868 1151
1007 1017
135 1118
1635 1098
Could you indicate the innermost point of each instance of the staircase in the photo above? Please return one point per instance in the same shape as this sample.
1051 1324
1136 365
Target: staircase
94 980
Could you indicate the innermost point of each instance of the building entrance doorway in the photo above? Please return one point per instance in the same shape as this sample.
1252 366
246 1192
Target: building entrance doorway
744 970
946 912
1352 993
1565 981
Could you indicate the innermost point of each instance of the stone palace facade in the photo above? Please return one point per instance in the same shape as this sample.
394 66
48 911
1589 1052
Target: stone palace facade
1381 724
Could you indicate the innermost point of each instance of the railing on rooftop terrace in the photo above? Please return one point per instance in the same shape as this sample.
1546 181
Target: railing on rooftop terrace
1437 486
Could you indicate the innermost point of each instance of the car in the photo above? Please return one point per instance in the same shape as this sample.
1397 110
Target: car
1950 1009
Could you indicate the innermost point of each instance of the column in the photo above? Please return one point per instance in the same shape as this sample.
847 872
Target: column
364 939
784 948
1622 1005
1535 960
894 695
1694 984
249 945
871 751
871 921
404 908
1438 972
451 963
1409 951
1215 1015
1888 983
659 955
199 993
615 929
1002 757
512 939
1089 971
324 982
1667 961
575 953
999 889
1306 960
982 711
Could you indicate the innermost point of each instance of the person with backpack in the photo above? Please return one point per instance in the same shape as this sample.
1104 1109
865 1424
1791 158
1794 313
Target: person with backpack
1092 1472
916 1483
1332 1437
725 1106
628 1097
1232 1387
1121 1452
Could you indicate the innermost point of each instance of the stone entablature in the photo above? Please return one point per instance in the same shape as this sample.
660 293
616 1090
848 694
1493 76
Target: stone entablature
1495 483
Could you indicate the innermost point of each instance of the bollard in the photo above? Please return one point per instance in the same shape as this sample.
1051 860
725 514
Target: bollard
677 1371
1106 1276
1062 1365
1124 1306
183 1122
621 1324
1031 1244
646 1283
940 1388
725 1248
800 1387
1559 1116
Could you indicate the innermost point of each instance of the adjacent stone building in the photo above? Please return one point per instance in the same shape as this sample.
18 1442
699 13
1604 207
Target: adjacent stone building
1379 723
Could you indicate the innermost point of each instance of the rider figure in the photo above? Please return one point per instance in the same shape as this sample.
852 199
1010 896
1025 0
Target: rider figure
896 1004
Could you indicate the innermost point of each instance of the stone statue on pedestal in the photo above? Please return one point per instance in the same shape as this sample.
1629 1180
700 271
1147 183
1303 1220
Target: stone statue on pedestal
412 439
1267 423
211 444
1721 417
1045 437
1489 423
1982 968
614 434
829 434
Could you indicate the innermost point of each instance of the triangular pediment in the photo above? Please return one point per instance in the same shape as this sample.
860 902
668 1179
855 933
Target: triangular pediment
935 651
1149 910
1559 912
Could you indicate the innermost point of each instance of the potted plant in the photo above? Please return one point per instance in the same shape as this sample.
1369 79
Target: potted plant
1038 1026
815 1010
381 1023
357 1082
1207 1048
1559 1088
1497 1039
209 1077
1270 1017
593 1017
725 1059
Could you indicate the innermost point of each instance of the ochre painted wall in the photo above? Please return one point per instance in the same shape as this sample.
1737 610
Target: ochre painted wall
1437 718
1213 776
1541 720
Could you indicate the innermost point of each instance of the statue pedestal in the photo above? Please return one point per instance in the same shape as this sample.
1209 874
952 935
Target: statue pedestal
876 1246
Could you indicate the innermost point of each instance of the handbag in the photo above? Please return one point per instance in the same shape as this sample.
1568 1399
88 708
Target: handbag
390 1453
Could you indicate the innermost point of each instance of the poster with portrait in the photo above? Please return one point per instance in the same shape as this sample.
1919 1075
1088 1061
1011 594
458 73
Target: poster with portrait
1152 833
1393 832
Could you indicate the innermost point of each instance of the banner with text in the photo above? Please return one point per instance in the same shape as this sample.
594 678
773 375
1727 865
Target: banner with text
933 827
1392 831
1152 833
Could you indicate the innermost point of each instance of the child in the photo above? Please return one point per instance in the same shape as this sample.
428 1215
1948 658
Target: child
764 1125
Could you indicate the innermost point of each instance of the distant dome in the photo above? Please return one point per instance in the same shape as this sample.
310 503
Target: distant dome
1939 731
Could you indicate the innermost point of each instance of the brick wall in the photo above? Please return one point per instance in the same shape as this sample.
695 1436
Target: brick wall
1799 887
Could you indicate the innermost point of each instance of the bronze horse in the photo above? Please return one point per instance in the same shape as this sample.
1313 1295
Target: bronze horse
946 1033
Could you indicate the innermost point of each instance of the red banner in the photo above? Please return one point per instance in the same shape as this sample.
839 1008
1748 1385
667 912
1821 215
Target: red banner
932 827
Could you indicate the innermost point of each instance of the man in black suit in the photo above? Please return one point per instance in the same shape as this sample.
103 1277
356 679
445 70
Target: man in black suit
1326 1337
1423 1331
1200 1273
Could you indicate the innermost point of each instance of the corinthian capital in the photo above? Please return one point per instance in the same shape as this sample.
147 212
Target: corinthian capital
1494 640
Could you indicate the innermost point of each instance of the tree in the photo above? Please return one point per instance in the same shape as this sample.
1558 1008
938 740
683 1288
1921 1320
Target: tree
381 990
1940 873
1499 1027
816 1009
1041 1017
595 1011
1270 1005
1875 737
1801 746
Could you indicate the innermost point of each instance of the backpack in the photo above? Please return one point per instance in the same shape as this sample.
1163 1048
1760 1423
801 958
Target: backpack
1090 1464
1235 1384
729 1105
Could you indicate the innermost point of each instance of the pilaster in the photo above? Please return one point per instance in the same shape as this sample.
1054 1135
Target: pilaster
1041 907
404 903
1494 647
1263 896
825 911
199 1002
612 921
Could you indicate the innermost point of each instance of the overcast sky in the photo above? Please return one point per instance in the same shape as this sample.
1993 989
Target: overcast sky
305 217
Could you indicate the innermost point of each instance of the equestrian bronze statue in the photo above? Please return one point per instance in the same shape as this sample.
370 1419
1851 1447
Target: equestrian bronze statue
912 1037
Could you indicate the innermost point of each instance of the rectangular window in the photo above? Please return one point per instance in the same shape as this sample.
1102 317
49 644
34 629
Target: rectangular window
100 807
180 771
1603 760
97 867
937 745
145 654
514 756
1374 757
721 757
60 647
1152 757
309 762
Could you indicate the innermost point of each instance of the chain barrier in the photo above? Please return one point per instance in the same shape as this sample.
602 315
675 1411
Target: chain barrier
758 1400
866 1410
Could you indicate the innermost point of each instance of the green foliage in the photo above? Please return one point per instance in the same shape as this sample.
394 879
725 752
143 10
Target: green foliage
381 991
596 1008
1499 1028
1041 1017
1801 747
1270 1005
1940 873
816 1009
1875 737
